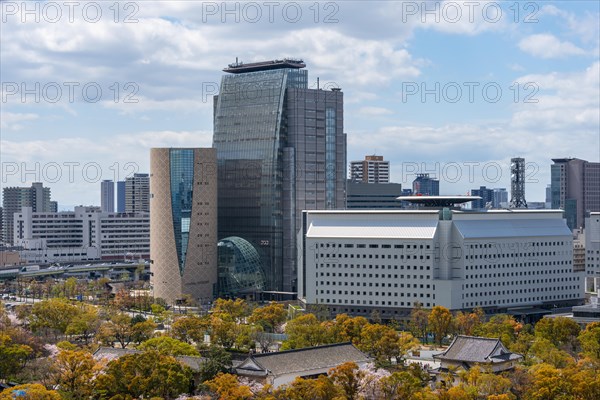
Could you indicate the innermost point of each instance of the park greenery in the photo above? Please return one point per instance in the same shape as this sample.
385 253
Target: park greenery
48 346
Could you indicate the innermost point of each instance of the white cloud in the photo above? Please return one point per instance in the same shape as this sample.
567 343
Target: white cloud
545 45
12 121
374 111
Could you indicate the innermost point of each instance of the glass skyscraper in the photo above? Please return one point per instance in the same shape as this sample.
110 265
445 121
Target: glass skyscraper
280 149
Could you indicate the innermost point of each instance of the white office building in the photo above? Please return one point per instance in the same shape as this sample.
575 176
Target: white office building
360 261
592 252
85 234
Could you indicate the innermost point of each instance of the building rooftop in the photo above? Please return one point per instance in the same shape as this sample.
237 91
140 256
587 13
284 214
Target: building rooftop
438 201
300 360
239 67
474 349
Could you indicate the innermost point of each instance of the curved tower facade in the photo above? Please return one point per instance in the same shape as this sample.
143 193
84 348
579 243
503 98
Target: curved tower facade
281 149
183 223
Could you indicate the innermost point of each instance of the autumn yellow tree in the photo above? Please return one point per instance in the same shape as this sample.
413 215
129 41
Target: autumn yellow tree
321 388
227 387
73 373
30 391
190 328
348 378
466 323
348 329
237 309
440 323
270 317
548 383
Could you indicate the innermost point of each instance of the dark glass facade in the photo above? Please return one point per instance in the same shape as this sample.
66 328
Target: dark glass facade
182 179
270 135
240 268
487 196
426 186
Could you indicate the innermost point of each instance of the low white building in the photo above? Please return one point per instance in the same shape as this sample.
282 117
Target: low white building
360 261
592 252
84 234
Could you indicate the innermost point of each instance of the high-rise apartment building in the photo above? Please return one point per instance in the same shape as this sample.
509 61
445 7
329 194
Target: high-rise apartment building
575 187
14 198
137 193
107 196
487 198
426 186
121 196
281 149
592 252
373 169
183 223
500 198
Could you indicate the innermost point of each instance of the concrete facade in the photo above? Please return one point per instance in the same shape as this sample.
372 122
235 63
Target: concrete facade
183 226
357 262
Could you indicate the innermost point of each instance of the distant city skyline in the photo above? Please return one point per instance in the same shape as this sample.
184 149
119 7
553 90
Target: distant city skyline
526 84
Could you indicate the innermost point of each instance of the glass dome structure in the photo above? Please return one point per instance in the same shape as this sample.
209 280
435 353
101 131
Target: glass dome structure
240 268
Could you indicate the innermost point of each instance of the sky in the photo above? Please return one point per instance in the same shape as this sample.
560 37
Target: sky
450 88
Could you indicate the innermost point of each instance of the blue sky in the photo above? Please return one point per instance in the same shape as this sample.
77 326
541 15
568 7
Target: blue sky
167 58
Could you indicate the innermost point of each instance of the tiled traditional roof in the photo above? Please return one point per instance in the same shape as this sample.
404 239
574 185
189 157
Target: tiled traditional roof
473 349
300 360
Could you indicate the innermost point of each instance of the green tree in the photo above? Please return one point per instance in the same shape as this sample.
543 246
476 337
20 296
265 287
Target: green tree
590 341
501 326
419 321
217 360
305 331
543 350
440 323
169 346
400 385
85 324
142 331
13 356
148 374
53 314
381 342
560 331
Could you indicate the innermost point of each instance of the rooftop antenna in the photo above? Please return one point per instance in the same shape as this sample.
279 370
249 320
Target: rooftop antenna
517 183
